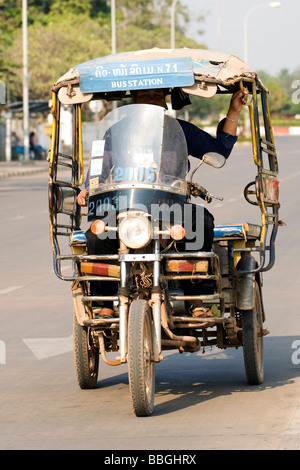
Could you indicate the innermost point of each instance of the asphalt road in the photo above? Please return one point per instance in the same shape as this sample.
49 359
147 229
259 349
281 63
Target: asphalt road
202 401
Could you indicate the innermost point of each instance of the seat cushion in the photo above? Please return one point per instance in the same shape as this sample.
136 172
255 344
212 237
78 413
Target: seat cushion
241 230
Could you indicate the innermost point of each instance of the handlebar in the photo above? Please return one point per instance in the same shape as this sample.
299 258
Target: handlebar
198 191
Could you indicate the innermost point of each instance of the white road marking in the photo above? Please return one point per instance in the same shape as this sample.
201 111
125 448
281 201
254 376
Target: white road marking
8 290
43 348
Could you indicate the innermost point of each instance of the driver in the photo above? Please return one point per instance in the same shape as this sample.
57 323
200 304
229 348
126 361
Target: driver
198 142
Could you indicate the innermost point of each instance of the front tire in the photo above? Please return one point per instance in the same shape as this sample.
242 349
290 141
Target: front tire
86 356
140 365
253 346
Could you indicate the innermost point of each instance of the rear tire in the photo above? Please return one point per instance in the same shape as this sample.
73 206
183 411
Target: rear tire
86 356
140 365
253 346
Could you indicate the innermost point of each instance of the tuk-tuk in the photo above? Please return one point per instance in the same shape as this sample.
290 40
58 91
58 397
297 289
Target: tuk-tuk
150 315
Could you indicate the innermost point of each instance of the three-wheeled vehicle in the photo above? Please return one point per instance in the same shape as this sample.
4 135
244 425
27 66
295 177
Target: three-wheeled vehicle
129 178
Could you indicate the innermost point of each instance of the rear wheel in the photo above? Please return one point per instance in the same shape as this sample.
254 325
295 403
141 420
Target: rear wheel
253 346
140 365
86 356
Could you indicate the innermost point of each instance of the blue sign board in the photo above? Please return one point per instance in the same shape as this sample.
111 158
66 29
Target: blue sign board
100 76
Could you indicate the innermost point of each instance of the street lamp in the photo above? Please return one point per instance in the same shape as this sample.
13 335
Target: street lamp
272 5
113 34
173 8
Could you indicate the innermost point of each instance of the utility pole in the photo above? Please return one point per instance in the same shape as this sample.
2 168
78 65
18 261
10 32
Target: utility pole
113 33
25 83
113 27
219 26
173 19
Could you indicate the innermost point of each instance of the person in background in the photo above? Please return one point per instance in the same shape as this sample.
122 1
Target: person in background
33 146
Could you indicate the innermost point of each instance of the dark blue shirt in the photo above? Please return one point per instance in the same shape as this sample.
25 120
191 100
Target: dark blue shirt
200 142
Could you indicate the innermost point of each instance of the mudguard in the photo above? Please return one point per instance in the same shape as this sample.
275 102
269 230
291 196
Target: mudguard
245 283
79 309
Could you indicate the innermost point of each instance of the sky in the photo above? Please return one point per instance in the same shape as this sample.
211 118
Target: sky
272 40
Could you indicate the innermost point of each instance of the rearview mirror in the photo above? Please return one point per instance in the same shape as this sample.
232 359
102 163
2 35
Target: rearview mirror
214 159
211 158
65 199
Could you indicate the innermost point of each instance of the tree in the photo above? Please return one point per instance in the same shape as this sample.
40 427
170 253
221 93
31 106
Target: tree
53 49
63 33
278 96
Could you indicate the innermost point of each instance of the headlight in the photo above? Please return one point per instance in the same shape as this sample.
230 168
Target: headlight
135 231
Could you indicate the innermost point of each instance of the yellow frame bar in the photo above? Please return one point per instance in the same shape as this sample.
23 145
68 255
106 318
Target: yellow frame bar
80 145
251 115
53 135
269 117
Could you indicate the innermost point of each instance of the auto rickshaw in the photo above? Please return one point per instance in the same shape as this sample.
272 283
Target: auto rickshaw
150 314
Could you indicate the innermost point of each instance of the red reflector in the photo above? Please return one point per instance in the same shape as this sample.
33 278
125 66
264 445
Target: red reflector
101 269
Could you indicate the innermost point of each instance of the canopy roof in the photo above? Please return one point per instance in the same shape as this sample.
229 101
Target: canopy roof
196 71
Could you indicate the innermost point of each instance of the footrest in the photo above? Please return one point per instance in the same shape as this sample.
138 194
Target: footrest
242 230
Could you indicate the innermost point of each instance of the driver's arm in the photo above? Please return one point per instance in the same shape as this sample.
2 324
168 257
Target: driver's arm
238 99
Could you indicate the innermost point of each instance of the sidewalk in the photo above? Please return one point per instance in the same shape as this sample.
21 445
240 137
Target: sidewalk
16 168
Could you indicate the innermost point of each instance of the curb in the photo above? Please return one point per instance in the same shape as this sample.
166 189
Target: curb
21 172
281 130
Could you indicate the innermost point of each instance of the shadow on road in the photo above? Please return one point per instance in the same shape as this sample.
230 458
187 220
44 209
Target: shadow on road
185 380
193 380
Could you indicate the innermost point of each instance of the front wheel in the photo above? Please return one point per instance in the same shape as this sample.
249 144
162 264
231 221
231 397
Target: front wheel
86 356
253 346
140 365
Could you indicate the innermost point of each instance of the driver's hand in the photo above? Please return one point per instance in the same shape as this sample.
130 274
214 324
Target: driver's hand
81 198
239 98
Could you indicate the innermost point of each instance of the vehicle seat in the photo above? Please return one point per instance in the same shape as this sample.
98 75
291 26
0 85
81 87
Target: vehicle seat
241 230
